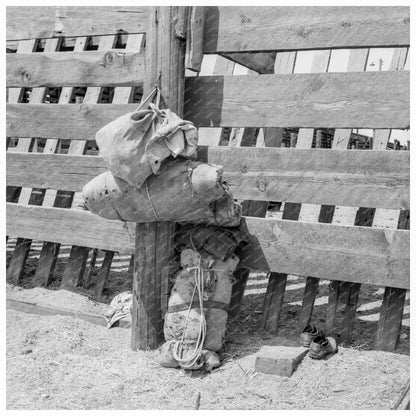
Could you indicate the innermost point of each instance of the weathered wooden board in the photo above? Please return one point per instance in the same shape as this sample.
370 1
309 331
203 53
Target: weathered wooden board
64 121
329 251
238 29
355 254
45 309
29 22
195 38
316 176
81 69
367 99
71 227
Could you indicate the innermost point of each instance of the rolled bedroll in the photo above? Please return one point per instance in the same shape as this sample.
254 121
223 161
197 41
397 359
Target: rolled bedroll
185 191
218 281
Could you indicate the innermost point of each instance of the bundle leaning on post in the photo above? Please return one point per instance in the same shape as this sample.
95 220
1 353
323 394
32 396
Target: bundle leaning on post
186 190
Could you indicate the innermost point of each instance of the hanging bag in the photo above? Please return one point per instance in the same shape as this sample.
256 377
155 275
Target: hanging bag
135 145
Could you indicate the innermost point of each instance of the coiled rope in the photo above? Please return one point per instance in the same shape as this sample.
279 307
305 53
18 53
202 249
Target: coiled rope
178 346
177 349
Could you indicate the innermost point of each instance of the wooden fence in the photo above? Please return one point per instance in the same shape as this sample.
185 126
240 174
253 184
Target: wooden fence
346 212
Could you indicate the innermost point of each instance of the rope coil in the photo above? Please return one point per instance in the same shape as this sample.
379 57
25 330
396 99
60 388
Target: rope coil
178 345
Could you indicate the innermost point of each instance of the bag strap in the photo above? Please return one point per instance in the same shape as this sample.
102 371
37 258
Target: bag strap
154 94
208 304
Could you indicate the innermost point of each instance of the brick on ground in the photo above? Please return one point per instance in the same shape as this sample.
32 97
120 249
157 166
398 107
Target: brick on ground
279 360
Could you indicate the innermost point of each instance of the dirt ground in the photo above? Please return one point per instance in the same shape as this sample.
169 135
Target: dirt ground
60 362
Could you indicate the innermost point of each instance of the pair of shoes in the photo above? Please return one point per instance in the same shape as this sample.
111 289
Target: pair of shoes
319 345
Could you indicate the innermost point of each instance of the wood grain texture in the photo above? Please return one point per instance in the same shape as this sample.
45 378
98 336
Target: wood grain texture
81 69
30 22
348 253
333 297
165 66
358 100
316 176
103 274
195 39
308 301
46 264
352 291
66 121
391 315
273 301
144 328
238 29
71 227
343 100
294 247
75 267
18 261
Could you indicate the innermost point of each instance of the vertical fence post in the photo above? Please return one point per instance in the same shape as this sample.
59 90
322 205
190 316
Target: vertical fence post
165 55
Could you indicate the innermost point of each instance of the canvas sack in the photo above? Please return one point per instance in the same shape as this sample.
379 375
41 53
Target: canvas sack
135 145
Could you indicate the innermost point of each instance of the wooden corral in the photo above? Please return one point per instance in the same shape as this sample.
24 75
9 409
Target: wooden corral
346 210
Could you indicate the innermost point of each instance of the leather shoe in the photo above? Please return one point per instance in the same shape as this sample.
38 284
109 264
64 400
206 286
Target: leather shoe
322 346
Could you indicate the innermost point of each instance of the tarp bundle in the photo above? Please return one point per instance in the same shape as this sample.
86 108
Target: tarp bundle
149 179
196 319
185 191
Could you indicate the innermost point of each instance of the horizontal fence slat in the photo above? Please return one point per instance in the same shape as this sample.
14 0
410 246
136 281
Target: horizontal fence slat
238 29
69 226
81 69
316 176
378 179
327 251
63 172
338 100
33 22
63 121
330 100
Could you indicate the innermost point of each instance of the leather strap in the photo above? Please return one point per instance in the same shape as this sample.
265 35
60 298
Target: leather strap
208 304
